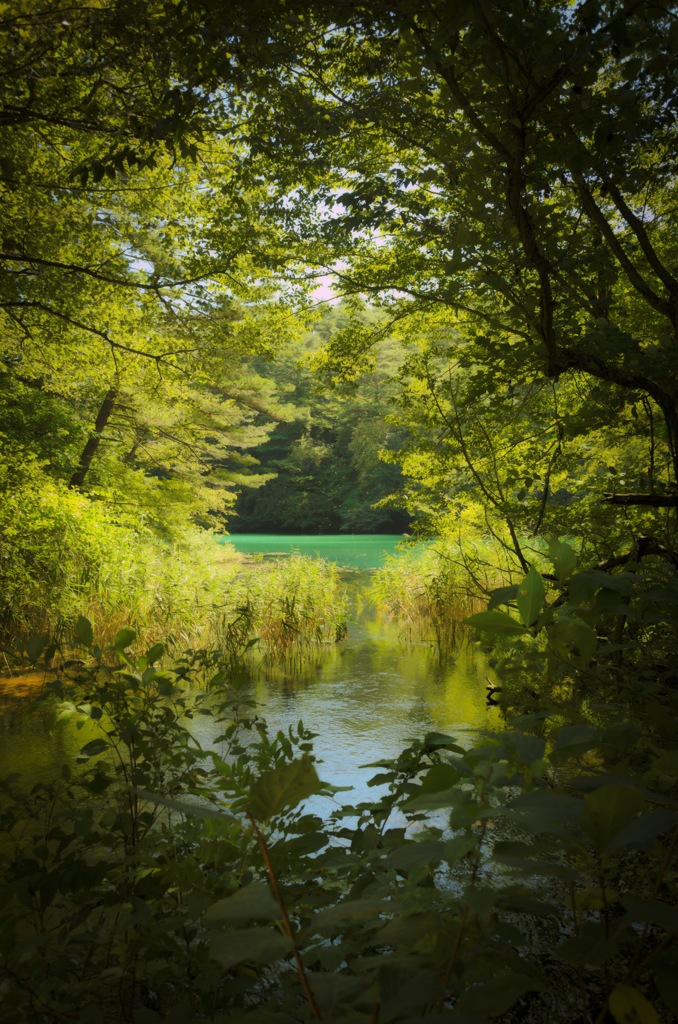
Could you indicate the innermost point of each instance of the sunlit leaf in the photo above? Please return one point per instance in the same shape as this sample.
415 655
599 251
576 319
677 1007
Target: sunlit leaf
124 638
563 558
629 1006
530 597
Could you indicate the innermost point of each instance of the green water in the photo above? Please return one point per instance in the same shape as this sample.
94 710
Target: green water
365 696
361 551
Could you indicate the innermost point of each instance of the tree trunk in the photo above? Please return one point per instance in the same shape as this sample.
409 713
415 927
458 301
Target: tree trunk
94 439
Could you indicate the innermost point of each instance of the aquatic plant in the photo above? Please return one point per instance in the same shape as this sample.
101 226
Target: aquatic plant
430 590
298 603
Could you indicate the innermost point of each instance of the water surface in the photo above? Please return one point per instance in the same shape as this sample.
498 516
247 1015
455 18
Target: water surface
362 551
364 696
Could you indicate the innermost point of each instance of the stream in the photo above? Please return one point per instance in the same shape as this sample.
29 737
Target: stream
364 696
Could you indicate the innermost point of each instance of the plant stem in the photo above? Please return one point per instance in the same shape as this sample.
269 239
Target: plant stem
453 955
287 924
637 955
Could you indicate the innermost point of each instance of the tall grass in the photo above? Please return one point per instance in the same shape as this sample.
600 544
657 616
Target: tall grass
63 556
430 591
297 604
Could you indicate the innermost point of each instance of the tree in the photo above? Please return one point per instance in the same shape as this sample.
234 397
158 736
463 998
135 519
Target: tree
512 173
128 299
328 456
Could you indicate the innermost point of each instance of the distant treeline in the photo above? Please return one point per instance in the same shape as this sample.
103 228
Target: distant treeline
329 475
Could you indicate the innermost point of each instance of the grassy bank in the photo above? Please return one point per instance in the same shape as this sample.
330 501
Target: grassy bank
63 556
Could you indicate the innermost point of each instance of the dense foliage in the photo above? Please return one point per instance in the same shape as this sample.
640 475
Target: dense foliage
162 880
327 462
491 189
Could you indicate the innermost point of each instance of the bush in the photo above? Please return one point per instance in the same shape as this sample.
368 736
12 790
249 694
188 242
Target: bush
157 880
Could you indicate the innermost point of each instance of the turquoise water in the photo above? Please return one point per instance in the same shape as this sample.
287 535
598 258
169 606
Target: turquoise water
359 551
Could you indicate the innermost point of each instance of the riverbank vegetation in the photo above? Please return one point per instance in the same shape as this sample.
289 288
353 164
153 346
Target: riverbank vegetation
490 191
161 880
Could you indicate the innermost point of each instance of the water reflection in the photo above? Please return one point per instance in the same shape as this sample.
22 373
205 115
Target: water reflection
372 693
365 697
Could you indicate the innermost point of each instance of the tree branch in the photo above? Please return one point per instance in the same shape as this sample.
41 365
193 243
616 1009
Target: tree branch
653 500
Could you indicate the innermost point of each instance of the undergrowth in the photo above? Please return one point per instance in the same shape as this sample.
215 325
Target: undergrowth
157 880
63 556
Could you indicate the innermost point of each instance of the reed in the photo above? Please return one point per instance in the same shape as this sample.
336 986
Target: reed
430 591
298 604
63 557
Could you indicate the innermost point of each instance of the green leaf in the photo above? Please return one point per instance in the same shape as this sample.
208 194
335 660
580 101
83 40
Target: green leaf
663 966
93 748
608 810
629 1006
183 806
589 948
641 833
574 740
333 991
576 635
502 595
652 912
411 855
440 776
495 622
348 912
124 638
258 945
282 788
545 811
563 558
459 847
35 645
156 651
84 634
495 997
584 585
530 597
254 901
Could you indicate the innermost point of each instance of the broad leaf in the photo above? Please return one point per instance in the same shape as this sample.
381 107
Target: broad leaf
282 788
629 1006
84 634
530 597
608 810
576 635
563 558
124 638
253 902
495 622
258 945
502 595
93 748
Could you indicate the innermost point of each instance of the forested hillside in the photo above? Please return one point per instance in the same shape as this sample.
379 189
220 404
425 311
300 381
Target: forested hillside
329 457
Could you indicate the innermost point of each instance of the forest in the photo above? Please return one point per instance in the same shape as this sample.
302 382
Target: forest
338 267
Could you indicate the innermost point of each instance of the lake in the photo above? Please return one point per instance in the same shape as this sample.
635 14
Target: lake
355 551
365 696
